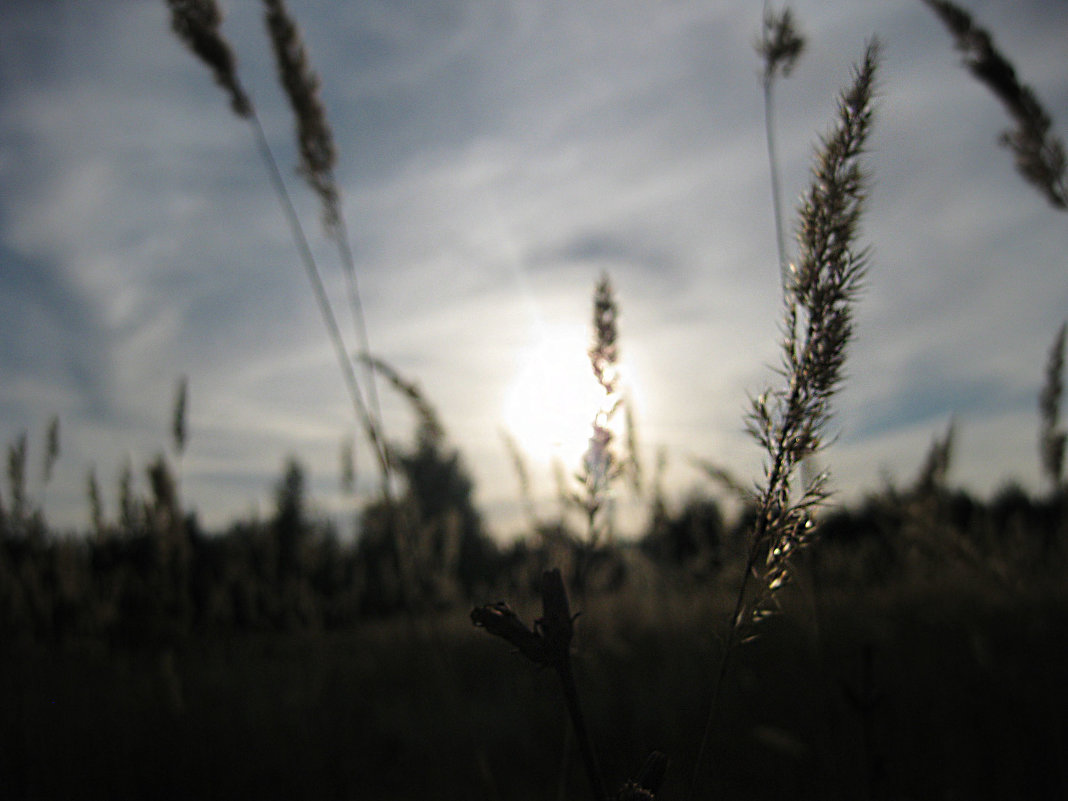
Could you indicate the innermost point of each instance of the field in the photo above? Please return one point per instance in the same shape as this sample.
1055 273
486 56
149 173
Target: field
909 646
937 688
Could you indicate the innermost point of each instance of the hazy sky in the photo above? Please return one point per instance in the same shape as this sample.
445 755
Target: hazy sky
495 159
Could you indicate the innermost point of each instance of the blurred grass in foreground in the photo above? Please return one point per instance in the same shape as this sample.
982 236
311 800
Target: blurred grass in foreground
963 697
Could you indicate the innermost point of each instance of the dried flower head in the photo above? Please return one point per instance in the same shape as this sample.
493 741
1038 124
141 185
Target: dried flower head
196 22
301 84
499 620
549 643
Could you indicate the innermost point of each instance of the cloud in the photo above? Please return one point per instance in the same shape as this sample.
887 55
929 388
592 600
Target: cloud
494 160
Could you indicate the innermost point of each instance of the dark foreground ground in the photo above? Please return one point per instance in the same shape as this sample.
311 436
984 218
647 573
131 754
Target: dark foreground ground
931 691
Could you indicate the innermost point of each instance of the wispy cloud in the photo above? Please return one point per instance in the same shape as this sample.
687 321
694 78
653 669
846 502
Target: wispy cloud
494 159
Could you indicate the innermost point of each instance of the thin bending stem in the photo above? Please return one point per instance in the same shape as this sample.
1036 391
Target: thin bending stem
776 192
359 322
759 531
323 300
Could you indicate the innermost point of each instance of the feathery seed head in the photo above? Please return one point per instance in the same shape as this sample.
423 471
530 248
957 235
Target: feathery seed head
604 352
178 420
789 422
1039 155
196 22
431 430
301 84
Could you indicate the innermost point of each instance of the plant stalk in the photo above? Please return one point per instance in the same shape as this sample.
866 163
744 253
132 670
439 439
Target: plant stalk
578 721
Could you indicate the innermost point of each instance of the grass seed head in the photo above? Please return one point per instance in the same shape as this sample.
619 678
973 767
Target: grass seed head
301 84
780 44
196 22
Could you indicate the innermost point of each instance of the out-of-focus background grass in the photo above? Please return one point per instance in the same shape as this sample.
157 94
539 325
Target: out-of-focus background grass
920 656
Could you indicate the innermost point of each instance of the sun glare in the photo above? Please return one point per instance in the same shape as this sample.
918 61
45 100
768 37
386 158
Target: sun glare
553 398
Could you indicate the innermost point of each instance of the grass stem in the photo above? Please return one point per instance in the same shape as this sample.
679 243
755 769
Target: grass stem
323 300
578 721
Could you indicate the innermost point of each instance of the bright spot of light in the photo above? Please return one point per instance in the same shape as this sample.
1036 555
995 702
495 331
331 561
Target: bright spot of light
551 403
552 400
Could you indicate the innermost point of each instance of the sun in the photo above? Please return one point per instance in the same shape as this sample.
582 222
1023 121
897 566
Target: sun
552 400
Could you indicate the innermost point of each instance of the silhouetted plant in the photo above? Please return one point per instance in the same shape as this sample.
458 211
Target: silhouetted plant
789 422
931 481
600 463
179 430
16 482
609 458
441 547
548 645
197 23
96 505
780 46
1039 154
24 516
51 450
692 538
1052 436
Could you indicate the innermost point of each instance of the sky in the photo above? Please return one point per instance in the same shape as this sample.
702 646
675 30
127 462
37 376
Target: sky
494 160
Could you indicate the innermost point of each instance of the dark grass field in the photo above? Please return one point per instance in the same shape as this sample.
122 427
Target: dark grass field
932 691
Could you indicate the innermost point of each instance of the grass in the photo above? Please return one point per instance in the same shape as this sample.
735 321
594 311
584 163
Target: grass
788 422
766 677
361 714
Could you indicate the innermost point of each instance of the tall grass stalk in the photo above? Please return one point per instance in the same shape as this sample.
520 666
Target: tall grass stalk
779 45
318 157
96 505
16 481
611 454
197 23
789 422
601 464
548 644
179 429
371 429
51 455
1052 435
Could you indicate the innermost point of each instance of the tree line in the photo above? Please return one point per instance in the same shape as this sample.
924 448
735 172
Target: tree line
155 576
